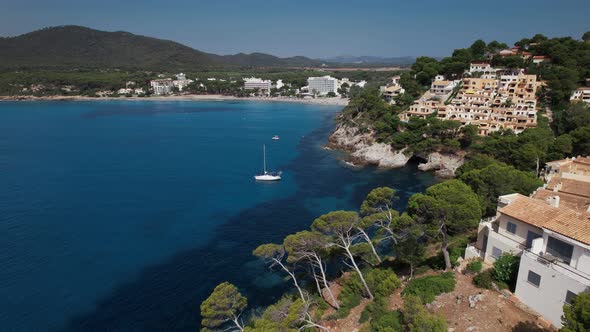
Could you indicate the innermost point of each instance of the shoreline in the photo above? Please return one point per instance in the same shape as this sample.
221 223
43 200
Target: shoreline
336 101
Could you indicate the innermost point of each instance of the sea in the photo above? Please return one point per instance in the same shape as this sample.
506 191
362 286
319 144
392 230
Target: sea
124 215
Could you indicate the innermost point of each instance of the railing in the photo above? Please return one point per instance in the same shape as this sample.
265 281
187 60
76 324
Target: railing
488 219
558 266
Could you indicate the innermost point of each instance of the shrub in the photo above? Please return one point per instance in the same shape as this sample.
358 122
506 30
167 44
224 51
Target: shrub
474 266
350 296
483 279
417 319
427 288
374 310
421 270
322 306
502 285
382 282
390 321
576 317
506 269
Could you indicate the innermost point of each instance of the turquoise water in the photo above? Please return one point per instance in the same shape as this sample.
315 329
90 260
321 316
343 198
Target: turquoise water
124 215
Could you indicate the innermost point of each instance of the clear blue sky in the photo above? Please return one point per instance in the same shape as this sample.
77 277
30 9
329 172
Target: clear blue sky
311 28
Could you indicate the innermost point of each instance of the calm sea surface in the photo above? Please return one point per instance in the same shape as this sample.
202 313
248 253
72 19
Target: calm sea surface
123 216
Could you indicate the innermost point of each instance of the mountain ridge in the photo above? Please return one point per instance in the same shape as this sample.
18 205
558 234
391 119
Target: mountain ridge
69 46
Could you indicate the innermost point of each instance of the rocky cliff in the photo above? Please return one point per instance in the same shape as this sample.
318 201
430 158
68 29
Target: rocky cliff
443 165
365 150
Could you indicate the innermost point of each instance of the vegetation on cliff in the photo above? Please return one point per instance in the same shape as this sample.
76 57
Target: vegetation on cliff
364 244
567 135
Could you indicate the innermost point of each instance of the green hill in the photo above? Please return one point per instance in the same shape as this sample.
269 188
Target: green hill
81 47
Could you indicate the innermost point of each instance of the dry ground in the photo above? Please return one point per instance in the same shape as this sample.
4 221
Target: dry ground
494 313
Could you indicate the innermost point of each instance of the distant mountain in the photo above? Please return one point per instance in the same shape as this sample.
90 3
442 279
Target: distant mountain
82 47
371 60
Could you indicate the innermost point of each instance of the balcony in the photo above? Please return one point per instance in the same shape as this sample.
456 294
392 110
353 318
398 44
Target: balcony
558 266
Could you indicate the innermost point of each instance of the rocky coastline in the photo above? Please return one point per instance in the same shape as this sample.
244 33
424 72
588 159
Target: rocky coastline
364 150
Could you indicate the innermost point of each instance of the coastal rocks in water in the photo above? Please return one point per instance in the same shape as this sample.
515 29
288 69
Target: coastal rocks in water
444 165
349 138
364 148
382 155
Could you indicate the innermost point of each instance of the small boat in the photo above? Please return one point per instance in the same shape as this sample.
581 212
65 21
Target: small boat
267 176
276 137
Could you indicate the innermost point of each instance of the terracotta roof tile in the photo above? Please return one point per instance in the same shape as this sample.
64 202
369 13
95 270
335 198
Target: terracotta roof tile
570 186
565 221
571 201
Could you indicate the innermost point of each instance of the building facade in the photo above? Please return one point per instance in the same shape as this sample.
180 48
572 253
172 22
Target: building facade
162 86
581 94
553 242
259 84
322 85
508 102
181 81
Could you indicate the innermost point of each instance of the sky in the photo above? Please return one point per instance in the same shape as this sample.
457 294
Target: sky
320 28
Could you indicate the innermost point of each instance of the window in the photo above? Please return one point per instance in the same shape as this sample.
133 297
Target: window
569 297
511 227
560 250
496 252
534 278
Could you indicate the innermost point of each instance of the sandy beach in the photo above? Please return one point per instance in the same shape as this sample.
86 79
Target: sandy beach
318 101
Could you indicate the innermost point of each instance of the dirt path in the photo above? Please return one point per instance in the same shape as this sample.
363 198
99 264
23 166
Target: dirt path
494 312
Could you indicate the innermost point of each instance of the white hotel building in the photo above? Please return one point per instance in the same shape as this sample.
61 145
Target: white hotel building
322 85
162 86
254 83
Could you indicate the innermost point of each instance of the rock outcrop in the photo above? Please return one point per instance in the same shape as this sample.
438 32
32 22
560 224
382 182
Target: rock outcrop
365 150
444 165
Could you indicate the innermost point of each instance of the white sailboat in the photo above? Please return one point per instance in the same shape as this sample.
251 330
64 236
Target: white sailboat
267 176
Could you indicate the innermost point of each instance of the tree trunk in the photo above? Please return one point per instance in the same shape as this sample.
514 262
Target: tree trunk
292 275
238 325
359 272
317 282
368 239
321 265
444 247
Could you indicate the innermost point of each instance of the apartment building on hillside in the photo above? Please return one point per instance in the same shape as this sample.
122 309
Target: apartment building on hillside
508 102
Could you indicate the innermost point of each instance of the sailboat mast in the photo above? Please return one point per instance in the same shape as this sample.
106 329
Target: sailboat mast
264 156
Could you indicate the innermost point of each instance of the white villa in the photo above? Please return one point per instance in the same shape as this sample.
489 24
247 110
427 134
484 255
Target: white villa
181 81
484 68
551 234
581 94
442 88
392 89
